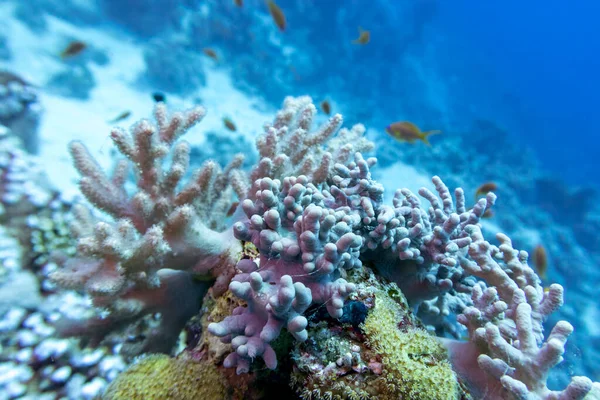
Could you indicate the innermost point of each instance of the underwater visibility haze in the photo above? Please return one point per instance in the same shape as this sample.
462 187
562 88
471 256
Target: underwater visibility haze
303 199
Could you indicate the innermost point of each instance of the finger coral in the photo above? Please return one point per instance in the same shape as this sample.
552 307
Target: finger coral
317 220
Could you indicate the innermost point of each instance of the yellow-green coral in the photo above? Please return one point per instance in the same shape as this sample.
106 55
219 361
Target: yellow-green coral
162 377
415 365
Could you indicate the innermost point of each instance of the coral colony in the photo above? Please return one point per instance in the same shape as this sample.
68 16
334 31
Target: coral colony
311 249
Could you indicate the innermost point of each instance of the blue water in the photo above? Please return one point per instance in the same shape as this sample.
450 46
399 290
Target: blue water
537 64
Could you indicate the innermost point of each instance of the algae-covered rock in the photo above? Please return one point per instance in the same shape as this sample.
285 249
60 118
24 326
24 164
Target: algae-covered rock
414 364
385 354
160 377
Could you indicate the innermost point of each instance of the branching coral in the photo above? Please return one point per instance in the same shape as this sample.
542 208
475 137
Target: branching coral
289 148
314 213
161 226
505 327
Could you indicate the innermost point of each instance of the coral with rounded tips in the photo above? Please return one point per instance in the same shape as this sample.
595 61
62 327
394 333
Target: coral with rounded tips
505 327
315 215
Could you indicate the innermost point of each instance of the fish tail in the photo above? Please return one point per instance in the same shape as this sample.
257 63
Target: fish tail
426 134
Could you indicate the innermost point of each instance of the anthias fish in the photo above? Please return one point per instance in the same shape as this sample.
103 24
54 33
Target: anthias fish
229 124
73 48
405 131
120 117
485 189
210 53
540 260
364 37
277 15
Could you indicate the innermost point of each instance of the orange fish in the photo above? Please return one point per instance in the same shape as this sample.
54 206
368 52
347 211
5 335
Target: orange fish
210 53
232 209
120 117
229 124
364 36
405 131
277 15
540 260
73 48
326 107
489 213
239 3
485 189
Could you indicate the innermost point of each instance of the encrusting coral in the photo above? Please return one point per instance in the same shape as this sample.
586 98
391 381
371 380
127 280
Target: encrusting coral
315 216
159 377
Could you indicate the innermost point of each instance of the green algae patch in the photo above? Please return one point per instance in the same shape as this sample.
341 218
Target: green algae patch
162 377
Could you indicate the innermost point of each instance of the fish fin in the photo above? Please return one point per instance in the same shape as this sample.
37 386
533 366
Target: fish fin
426 134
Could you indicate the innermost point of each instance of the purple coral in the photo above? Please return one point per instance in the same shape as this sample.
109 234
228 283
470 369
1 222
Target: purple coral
507 356
161 226
313 211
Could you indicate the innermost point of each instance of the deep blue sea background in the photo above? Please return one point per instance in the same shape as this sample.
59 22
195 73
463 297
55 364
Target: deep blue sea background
534 65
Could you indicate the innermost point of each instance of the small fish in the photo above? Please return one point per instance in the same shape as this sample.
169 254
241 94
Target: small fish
159 97
73 48
120 117
405 131
485 189
326 107
229 124
232 209
239 3
210 53
489 213
277 15
540 260
363 38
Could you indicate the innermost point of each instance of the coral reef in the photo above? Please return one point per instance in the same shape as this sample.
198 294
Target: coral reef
20 109
384 354
535 209
161 243
505 327
316 218
35 362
